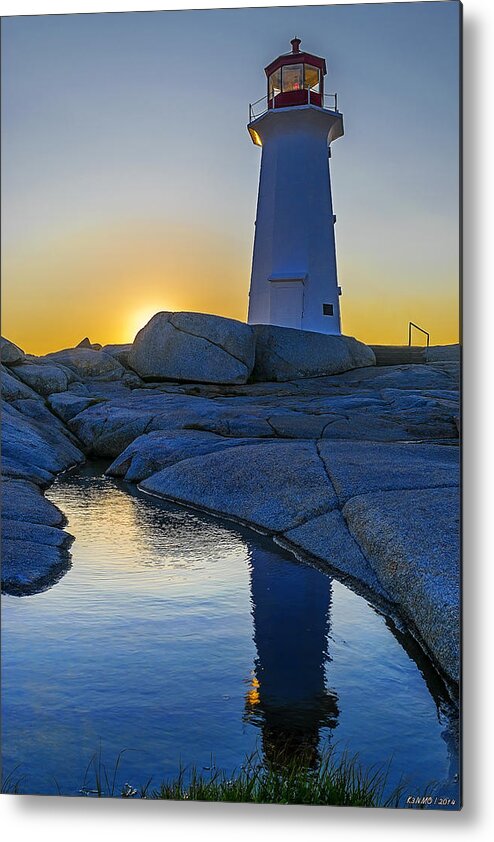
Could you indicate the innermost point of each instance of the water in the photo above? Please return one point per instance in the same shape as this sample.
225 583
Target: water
178 637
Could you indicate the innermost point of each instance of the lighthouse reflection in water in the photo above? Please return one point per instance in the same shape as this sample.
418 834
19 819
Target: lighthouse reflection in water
288 698
186 638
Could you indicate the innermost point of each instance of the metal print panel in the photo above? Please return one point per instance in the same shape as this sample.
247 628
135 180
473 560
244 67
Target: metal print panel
230 391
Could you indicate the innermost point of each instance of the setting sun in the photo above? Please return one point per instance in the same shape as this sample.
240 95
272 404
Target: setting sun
140 317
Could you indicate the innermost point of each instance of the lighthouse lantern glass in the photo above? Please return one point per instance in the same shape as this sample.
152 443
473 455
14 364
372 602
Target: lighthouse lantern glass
311 80
292 77
275 83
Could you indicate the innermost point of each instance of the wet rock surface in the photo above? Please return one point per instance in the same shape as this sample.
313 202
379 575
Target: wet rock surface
357 470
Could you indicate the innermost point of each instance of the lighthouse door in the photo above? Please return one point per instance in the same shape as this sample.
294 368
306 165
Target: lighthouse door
286 303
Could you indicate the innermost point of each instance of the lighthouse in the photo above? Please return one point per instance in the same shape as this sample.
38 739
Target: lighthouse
294 280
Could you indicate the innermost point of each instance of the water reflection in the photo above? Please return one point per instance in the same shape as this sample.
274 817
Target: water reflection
287 696
183 637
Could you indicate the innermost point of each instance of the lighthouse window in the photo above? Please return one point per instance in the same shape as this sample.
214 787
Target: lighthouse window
311 78
293 77
275 83
327 309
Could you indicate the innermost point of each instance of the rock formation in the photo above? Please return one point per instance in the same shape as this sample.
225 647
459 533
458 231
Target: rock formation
358 470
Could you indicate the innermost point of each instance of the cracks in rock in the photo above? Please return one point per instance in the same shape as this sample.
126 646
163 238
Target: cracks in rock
384 605
211 342
326 471
275 431
332 421
373 493
307 519
146 429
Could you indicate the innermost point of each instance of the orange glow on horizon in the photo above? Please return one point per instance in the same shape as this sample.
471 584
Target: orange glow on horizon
107 284
142 316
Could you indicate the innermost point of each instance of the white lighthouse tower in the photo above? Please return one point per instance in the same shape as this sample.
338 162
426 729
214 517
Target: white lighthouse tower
294 281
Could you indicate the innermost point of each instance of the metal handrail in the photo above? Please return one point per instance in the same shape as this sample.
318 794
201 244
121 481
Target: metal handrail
252 114
264 99
335 101
412 324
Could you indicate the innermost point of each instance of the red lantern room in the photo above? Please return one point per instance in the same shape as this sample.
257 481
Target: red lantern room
296 78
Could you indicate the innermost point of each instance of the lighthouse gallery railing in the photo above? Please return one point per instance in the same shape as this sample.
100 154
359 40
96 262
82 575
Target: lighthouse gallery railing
260 106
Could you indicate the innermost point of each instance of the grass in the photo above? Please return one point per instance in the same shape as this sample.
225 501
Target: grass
337 782
11 783
331 781
334 782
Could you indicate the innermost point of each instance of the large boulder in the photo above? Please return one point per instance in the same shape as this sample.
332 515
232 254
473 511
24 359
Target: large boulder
88 363
23 501
120 352
10 354
35 447
44 379
284 353
193 347
33 450
108 427
14 389
32 566
68 405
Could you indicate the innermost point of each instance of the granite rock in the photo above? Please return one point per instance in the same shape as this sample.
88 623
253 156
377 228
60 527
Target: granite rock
286 354
119 352
10 354
14 389
193 347
359 467
327 538
155 451
411 539
33 450
88 363
273 485
34 547
44 379
23 501
29 567
443 353
68 405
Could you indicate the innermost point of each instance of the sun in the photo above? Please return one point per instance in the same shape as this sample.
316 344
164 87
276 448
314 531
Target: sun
139 318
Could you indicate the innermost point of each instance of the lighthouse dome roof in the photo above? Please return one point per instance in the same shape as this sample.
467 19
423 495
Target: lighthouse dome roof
296 56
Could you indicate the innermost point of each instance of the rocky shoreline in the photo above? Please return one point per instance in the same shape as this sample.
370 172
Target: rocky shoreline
352 464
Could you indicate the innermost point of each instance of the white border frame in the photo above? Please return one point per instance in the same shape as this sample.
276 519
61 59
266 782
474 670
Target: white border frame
53 819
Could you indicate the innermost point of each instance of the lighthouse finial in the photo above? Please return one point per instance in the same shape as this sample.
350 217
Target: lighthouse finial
295 42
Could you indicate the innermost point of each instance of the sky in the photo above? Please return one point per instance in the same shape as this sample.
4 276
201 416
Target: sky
129 180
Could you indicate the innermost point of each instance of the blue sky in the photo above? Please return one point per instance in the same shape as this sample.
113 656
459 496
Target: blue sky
130 182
